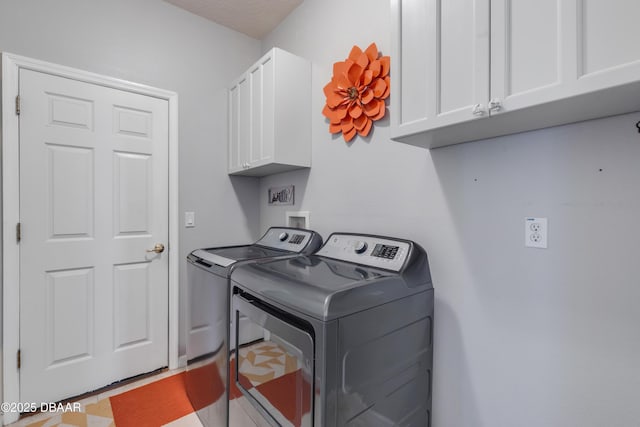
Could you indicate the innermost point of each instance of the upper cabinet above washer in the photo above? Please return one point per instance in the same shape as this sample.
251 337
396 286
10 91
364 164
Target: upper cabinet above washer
270 116
474 69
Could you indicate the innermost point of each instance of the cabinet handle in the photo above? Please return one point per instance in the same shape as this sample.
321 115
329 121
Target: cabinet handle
477 110
495 105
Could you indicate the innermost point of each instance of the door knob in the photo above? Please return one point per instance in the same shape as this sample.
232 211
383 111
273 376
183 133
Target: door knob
158 248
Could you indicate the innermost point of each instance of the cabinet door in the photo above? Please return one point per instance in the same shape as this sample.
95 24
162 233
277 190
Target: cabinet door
239 124
440 61
235 162
255 129
531 53
244 119
269 119
262 119
607 34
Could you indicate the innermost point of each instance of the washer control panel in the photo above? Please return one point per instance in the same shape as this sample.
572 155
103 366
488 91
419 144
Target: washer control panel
380 252
287 239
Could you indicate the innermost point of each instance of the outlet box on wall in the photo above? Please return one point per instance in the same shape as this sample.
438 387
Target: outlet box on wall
299 219
535 232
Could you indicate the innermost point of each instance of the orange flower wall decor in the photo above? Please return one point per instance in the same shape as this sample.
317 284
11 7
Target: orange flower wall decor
357 91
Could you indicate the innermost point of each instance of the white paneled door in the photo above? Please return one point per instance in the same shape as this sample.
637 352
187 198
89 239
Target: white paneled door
93 205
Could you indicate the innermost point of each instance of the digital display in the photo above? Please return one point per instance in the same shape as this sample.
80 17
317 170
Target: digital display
385 251
296 239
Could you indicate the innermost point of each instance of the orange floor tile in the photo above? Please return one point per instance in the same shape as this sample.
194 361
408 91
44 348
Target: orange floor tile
152 405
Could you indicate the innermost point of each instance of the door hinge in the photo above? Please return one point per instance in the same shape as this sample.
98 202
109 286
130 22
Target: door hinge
17 105
18 232
19 358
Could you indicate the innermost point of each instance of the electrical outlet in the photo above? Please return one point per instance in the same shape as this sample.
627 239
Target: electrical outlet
535 232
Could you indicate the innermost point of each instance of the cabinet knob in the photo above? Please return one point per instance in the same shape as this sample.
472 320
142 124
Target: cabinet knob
495 105
477 110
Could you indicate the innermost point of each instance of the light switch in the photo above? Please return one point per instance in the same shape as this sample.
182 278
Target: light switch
189 219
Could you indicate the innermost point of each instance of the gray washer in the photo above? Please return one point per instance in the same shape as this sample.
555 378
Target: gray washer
366 302
208 273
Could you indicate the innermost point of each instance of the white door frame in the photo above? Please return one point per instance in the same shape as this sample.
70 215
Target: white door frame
11 65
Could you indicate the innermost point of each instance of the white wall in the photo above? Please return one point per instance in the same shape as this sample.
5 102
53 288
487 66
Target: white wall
523 337
154 43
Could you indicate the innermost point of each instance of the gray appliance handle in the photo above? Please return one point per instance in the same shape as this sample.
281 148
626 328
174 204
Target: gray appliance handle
300 341
295 340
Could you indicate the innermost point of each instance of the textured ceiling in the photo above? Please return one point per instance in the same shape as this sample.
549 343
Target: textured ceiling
255 18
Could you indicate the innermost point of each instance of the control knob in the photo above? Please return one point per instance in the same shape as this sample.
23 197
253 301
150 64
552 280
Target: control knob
360 247
283 236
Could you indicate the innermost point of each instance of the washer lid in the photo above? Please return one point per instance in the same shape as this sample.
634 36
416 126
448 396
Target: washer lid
321 287
276 242
229 255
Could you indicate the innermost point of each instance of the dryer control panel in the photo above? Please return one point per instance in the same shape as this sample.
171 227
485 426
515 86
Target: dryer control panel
373 251
288 239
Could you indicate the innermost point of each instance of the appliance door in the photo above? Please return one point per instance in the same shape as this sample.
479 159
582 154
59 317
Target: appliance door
275 373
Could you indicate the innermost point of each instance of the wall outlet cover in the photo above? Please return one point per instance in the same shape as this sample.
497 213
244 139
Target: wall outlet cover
535 232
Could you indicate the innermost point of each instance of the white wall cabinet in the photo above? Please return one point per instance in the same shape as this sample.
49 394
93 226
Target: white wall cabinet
473 69
270 116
